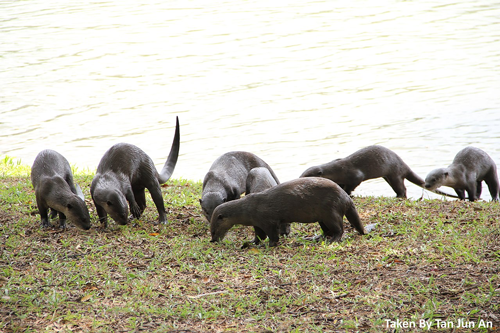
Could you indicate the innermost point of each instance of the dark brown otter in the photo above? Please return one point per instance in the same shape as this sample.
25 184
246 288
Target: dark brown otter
123 174
304 200
368 163
469 168
52 179
226 179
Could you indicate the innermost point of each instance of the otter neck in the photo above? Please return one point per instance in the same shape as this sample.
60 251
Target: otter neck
58 193
456 176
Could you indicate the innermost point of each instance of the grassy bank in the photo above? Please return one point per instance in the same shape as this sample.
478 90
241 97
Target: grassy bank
431 260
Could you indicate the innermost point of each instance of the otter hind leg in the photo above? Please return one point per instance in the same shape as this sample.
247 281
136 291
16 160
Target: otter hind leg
333 227
493 186
260 235
155 192
398 185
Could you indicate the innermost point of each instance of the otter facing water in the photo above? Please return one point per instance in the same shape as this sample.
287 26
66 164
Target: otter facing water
123 174
52 179
226 179
469 168
305 200
368 163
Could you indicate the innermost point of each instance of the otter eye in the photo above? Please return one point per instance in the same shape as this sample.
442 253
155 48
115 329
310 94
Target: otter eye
320 173
219 217
224 200
69 206
109 203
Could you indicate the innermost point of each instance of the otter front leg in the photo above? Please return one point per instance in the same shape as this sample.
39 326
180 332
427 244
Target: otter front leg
460 193
43 210
103 216
62 221
472 192
134 207
348 188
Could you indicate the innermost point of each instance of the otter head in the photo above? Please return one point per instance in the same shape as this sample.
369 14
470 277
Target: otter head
114 203
219 224
78 213
332 170
315 171
435 179
210 201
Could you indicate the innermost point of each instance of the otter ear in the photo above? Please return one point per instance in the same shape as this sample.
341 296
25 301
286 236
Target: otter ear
69 206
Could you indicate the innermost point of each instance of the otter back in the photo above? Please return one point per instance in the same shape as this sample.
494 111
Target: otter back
304 200
52 180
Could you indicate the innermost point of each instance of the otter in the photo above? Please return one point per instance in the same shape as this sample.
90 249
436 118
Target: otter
52 180
226 179
123 174
368 163
469 168
305 200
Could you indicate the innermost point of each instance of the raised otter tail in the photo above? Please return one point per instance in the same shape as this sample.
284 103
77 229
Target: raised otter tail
169 166
354 220
415 179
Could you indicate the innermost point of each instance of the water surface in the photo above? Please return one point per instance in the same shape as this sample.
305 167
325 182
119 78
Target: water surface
299 83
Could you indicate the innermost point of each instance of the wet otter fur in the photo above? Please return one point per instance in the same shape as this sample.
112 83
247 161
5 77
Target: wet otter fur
304 200
122 176
467 171
52 179
369 163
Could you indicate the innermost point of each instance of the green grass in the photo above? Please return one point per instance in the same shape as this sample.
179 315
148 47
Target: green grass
425 260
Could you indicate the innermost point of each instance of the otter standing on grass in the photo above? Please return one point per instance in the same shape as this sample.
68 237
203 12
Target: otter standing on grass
469 168
369 163
123 174
52 179
304 200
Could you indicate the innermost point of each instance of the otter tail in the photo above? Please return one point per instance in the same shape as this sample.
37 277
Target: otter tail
353 218
79 192
169 166
415 179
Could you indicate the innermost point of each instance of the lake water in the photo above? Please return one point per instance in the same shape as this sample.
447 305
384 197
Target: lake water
299 83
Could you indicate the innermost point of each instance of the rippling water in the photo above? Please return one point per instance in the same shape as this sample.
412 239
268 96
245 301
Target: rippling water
299 83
